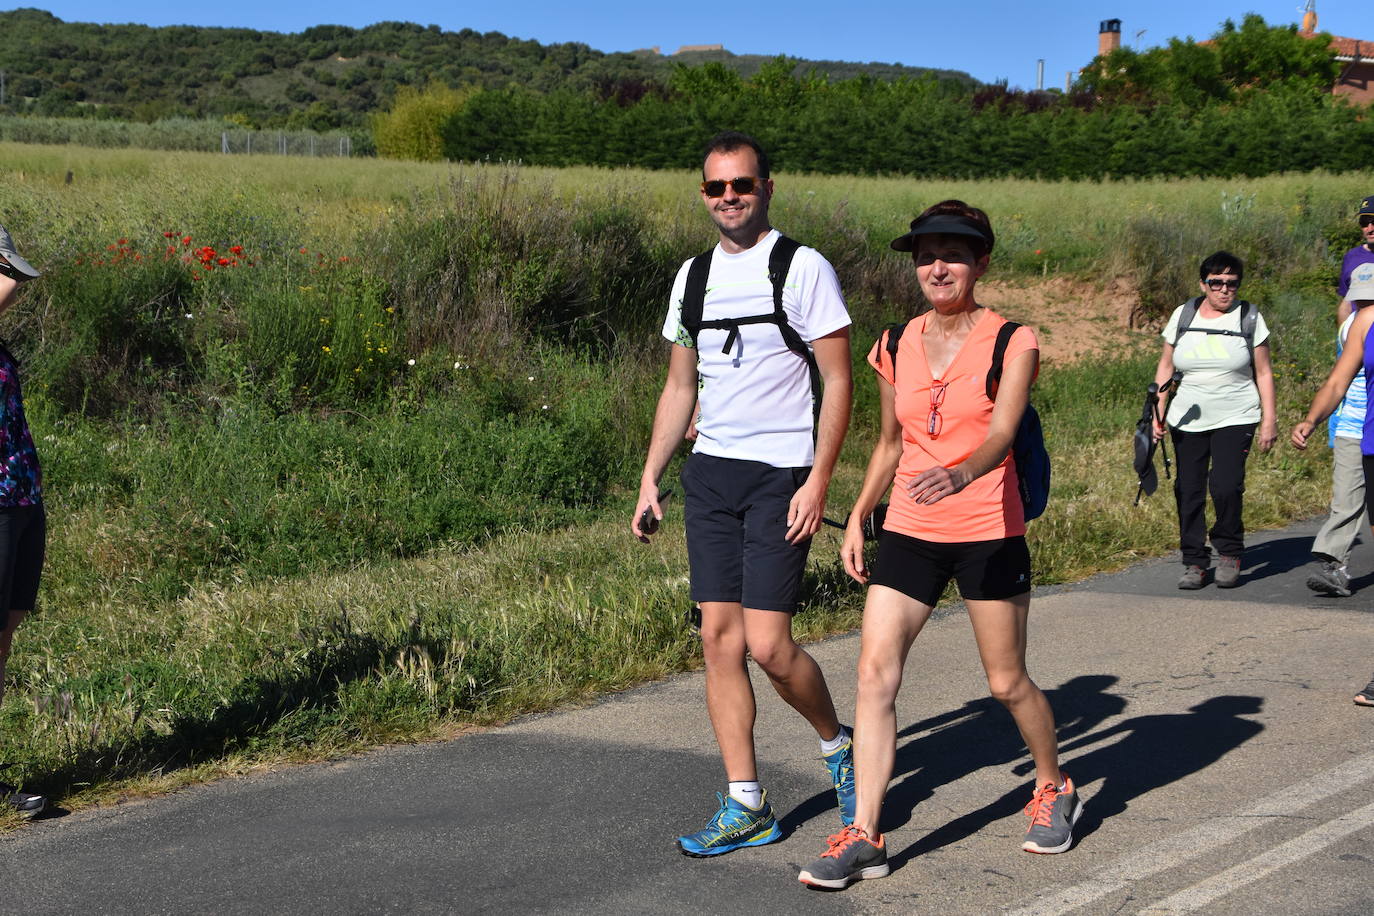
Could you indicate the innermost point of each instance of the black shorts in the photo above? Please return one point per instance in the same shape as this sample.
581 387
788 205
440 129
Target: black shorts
1367 461
23 541
736 519
985 570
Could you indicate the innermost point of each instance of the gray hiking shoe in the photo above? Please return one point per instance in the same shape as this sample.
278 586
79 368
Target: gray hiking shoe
1053 814
1329 578
851 856
1228 572
1192 578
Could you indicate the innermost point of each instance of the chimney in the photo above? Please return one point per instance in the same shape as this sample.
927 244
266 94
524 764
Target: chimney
1309 18
1108 37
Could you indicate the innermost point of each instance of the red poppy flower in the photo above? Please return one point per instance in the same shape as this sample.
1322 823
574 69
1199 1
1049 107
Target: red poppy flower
236 249
169 235
186 240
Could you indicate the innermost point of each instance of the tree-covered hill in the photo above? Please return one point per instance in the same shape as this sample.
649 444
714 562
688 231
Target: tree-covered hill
324 77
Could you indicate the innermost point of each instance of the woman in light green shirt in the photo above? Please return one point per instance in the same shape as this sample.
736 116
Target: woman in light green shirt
1220 344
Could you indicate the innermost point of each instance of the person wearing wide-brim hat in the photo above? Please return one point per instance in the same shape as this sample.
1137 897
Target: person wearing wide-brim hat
23 528
1356 356
944 449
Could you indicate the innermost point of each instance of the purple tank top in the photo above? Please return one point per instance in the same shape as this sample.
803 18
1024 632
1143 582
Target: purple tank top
1367 440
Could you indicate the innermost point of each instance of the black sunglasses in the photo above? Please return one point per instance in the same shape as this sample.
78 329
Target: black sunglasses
1218 283
1366 220
716 187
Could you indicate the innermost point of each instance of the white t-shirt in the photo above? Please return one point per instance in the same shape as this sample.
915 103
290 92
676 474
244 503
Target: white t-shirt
1218 387
755 401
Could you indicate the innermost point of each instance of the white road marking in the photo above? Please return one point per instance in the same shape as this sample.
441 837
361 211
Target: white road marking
1300 847
1191 844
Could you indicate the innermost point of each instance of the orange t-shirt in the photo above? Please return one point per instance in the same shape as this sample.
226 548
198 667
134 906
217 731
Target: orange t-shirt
989 508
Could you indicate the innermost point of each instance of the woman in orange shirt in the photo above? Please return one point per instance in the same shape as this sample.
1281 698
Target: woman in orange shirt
945 450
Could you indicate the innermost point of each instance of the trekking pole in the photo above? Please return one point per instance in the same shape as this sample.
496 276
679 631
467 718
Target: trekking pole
1163 449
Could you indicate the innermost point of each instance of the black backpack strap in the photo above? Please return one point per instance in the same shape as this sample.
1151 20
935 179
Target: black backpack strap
779 263
1185 319
694 295
999 352
1249 323
893 339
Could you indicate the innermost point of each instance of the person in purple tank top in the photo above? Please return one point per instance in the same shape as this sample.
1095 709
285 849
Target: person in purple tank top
1358 355
23 530
1361 254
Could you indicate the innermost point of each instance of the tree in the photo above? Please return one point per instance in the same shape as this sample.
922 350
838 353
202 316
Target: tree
411 128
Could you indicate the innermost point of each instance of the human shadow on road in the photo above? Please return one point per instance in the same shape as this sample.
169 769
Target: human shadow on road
1154 750
1274 558
978 734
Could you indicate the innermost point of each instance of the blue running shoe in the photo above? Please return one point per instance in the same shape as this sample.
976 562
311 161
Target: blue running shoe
840 765
734 826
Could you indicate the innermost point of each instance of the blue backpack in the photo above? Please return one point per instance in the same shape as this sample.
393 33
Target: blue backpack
1028 447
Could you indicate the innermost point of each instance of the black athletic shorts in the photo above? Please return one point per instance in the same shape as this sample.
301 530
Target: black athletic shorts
23 540
985 570
736 518
1367 462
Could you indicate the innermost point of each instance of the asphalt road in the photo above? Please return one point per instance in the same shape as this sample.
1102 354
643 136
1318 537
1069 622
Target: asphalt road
1212 735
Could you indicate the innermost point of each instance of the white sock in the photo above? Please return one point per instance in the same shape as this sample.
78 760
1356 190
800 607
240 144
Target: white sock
747 793
835 743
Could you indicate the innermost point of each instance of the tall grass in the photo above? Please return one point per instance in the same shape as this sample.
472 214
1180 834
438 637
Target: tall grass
369 481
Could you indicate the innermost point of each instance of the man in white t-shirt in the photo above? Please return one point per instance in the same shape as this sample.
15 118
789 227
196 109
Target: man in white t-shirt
755 484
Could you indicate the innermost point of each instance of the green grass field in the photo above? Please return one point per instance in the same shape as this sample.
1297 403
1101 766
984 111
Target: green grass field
371 483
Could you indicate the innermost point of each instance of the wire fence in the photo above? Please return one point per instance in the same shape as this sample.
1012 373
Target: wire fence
188 134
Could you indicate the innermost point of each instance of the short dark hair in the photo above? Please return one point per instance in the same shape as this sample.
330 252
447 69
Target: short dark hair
1222 262
729 141
979 247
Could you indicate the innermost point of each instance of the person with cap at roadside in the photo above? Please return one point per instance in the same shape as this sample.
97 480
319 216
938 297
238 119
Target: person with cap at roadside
1356 357
944 449
23 529
1330 574
1362 253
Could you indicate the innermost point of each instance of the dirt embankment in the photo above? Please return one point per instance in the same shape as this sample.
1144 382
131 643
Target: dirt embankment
1073 318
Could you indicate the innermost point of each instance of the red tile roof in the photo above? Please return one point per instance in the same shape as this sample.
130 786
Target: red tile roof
1352 48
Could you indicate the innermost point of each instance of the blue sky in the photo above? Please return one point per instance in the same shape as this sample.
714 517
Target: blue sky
992 39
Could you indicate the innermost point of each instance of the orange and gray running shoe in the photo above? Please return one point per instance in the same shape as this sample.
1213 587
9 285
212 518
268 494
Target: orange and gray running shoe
1053 814
850 856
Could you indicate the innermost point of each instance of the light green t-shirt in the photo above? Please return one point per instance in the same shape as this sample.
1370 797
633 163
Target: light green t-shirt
1218 387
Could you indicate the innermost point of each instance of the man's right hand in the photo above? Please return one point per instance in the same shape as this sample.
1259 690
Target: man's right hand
648 513
1301 433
